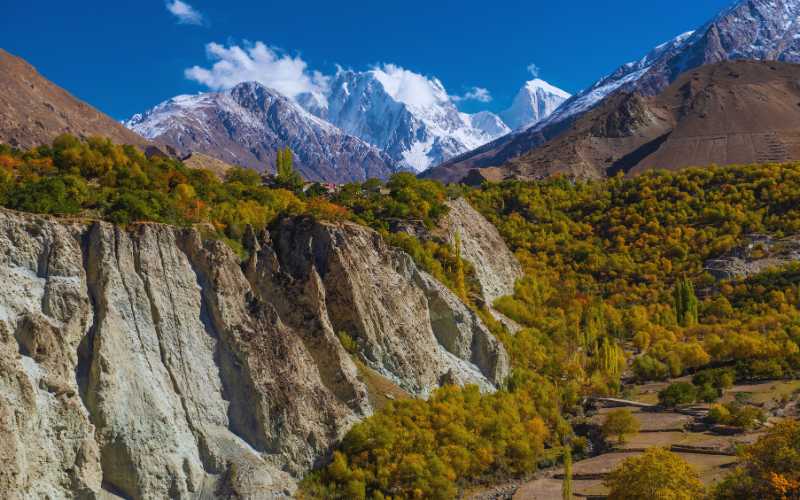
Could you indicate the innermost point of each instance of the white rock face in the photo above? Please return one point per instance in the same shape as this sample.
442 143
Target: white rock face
496 267
410 117
534 102
145 363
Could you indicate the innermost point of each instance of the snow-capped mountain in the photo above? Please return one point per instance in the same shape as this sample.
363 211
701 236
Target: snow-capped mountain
247 124
535 101
750 29
410 117
489 123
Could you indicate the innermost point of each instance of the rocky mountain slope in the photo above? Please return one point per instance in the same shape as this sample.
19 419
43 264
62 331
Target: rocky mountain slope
750 29
249 123
734 112
418 129
34 111
147 363
534 102
496 268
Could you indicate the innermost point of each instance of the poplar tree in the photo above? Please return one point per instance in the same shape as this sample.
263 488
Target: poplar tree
685 302
461 284
566 485
285 174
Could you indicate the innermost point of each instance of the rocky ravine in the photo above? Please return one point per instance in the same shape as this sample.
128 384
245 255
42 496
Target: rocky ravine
146 363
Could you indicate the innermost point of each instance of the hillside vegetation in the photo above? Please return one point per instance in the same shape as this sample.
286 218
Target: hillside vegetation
615 278
615 285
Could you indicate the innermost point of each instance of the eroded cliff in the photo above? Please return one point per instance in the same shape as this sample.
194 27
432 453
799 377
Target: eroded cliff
148 363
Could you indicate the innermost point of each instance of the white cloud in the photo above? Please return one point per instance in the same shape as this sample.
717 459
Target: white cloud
408 87
291 76
258 63
185 13
479 94
533 69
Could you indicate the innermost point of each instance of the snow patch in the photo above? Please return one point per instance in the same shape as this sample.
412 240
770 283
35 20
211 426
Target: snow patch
416 156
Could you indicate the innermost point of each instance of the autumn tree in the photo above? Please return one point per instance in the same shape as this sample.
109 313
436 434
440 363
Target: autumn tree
770 468
656 474
620 423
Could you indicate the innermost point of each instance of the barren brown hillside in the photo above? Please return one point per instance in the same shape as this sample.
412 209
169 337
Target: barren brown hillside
727 113
33 110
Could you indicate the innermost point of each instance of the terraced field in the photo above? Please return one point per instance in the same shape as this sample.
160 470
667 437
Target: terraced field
710 454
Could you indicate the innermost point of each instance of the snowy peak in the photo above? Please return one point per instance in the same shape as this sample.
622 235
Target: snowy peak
489 123
415 91
538 85
409 116
766 30
247 124
535 101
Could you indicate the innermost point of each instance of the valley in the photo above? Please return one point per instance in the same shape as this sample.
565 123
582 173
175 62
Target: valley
302 279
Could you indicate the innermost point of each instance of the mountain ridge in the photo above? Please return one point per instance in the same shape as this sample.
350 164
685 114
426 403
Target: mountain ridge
417 131
732 112
249 123
34 110
749 29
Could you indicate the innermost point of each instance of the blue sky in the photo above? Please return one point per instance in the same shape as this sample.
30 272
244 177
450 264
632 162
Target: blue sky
126 56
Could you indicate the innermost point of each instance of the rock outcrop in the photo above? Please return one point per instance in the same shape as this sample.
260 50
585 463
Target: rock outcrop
496 267
147 363
759 253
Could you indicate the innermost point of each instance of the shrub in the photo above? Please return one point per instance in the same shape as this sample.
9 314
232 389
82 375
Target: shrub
720 378
737 415
348 343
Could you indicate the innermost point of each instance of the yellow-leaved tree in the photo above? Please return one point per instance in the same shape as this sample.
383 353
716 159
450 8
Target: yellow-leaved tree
656 474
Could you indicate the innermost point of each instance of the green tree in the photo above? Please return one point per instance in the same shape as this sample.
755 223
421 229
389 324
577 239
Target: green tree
460 280
679 393
566 485
656 474
685 302
286 176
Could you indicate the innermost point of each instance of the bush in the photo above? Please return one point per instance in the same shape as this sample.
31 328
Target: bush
350 345
708 393
720 378
737 415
